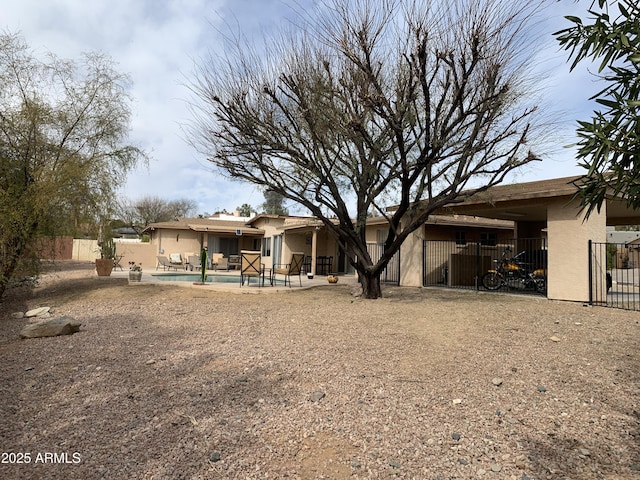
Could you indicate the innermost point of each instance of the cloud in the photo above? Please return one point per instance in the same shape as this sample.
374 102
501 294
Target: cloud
157 41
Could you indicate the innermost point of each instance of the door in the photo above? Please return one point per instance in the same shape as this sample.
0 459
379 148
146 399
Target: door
276 251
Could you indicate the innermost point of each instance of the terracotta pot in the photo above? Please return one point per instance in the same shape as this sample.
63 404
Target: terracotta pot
332 279
104 266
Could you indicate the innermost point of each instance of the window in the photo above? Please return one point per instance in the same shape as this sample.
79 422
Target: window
266 247
257 244
461 238
381 235
488 239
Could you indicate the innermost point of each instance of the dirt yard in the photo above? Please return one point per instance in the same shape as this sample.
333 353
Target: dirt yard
164 382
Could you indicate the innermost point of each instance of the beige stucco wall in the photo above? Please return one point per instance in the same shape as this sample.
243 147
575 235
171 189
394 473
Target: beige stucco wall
144 253
273 227
168 241
411 260
568 237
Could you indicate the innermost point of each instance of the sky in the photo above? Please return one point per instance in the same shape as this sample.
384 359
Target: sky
156 42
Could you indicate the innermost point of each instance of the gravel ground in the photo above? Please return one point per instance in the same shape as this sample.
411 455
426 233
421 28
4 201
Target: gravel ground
184 383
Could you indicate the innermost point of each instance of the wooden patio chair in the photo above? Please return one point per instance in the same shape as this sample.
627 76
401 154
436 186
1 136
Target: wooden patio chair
250 266
290 269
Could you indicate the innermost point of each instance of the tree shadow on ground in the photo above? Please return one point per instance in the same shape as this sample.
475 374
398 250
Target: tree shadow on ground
113 409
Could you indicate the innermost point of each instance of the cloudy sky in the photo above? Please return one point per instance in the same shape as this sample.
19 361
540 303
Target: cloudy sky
157 41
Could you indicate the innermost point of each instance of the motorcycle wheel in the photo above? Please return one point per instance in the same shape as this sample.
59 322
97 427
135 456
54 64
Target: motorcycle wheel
541 286
491 281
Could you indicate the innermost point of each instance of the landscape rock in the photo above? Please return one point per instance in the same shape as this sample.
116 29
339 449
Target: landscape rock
17 315
554 339
497 381
51 328
37 312
317 396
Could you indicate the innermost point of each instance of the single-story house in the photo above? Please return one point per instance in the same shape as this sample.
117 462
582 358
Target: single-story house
542 211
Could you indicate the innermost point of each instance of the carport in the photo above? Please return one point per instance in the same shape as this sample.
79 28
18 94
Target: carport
547 206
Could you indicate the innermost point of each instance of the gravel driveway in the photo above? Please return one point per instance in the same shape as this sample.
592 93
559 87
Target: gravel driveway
181 383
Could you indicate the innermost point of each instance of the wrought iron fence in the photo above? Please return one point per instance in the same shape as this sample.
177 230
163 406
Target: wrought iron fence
463 264
391 273
614 275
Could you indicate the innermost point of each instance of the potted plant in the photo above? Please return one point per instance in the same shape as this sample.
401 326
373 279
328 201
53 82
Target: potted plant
104 264
135 272
332 278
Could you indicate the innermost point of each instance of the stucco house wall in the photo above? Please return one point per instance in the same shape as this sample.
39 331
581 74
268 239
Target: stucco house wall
568 237
142 252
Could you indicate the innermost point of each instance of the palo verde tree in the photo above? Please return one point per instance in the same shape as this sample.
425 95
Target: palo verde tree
63 126
374 103
609 143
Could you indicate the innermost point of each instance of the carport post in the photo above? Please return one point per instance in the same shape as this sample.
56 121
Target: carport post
478 266
590 263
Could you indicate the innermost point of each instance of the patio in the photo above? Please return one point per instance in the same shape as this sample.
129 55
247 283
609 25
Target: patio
150 276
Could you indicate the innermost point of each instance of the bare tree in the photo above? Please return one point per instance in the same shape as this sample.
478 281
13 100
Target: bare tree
375 103
152 209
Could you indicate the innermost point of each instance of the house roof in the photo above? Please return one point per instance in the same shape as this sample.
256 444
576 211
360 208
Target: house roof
556 187
207 225
528 201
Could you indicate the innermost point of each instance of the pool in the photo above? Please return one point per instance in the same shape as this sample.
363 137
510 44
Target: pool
195 277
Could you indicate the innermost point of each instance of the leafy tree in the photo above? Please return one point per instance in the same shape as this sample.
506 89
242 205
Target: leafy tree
245 210
63 127
609 143
375 102
274 203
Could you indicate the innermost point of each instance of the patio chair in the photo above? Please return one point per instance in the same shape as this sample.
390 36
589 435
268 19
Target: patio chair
194 262
234 261
250 266
165 263
222 264
290 269
176 260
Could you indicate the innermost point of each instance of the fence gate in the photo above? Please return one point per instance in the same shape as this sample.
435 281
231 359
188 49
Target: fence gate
457 264
614 275
391 273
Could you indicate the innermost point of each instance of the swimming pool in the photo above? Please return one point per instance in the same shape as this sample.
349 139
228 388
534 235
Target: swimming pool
195 277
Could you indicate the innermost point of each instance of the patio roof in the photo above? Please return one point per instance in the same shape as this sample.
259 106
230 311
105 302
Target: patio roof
528 202
229 227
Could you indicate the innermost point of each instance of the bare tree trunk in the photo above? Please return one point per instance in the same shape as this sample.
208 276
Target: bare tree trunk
8 262
370 286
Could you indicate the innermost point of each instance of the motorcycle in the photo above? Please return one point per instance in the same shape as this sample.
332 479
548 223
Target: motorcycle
513 273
